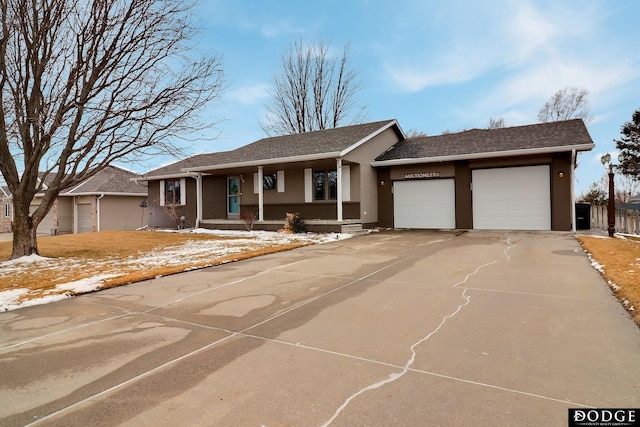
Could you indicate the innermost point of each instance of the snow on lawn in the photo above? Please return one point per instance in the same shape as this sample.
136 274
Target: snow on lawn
192 251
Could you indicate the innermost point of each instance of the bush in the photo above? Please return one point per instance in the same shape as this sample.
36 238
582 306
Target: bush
294 223
249 217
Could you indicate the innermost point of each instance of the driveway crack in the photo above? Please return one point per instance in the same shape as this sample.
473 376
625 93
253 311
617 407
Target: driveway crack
407 367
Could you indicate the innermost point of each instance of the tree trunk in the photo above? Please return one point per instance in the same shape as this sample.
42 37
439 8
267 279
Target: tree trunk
24 233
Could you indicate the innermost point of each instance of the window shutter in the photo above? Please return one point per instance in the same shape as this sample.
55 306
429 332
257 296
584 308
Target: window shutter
162 192
183 191
346 183
280 181
308 185
256 188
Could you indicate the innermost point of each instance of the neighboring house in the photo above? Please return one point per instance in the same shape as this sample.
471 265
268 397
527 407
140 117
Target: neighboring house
635 199
6 218
110 200
371 175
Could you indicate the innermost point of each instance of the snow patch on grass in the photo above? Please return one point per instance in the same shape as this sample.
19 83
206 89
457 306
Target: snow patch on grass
235 243
30 259
85 285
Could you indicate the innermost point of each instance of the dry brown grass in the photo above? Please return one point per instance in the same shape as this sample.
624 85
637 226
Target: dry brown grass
620 259
86 255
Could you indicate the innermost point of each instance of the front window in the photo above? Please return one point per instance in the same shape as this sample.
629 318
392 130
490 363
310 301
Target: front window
325 184
270 181
172 192
7 210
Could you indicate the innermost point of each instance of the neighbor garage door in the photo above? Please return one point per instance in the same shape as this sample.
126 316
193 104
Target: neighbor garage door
84 218
47 223
424 204
512 198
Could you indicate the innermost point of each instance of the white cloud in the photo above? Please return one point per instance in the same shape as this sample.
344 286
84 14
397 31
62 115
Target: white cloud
498 38
276 29
528 30
250 94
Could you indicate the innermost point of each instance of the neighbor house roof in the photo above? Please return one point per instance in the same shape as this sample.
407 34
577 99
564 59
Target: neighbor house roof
322 144
110 180
4 191
540 138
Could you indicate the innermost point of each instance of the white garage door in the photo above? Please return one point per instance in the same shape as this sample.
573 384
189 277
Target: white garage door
512 198
47 223
84 218
424 204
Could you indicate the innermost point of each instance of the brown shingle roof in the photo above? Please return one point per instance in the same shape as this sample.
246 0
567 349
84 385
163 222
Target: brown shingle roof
327 141
112 180
478 141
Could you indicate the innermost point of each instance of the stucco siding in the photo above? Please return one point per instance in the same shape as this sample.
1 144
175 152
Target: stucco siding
158 216
121 213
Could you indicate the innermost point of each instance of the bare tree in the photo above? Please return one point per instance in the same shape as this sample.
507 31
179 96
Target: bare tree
415 133
565 104
626 186
88 82
314 90
496 123
596 195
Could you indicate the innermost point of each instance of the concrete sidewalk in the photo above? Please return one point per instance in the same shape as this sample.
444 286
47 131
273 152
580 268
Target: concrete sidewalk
393 328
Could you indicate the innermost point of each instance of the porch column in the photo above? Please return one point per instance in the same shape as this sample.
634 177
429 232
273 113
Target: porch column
573 194
260 194
339 188
198 199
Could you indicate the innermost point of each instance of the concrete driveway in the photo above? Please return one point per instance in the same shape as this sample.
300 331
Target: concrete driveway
390 329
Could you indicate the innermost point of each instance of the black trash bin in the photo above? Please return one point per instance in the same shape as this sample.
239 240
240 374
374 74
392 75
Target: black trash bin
583 216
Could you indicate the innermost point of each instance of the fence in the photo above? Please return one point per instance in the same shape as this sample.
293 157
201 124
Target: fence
627 218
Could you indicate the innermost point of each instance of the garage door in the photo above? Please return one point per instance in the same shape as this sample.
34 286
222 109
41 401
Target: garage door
424 204
47 223
512 198
84 218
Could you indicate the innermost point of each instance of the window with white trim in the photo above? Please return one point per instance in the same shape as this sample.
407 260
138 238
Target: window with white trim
270 181
173 192
325 184
7 210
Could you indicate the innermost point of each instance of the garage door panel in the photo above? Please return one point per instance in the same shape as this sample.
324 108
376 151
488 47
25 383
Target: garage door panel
517 198
84 218
424 204
47 223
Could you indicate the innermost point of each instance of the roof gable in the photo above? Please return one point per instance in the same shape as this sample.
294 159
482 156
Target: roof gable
335 140
112 180
548 137
323 143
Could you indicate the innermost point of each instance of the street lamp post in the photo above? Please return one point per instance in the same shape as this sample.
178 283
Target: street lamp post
611 206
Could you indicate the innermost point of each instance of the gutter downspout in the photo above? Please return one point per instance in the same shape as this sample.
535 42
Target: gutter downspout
98 211
198 199
573 199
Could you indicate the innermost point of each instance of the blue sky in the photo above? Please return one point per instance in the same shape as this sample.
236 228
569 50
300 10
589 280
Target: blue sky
435 65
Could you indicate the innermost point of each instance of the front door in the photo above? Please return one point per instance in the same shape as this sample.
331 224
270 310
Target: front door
233 197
